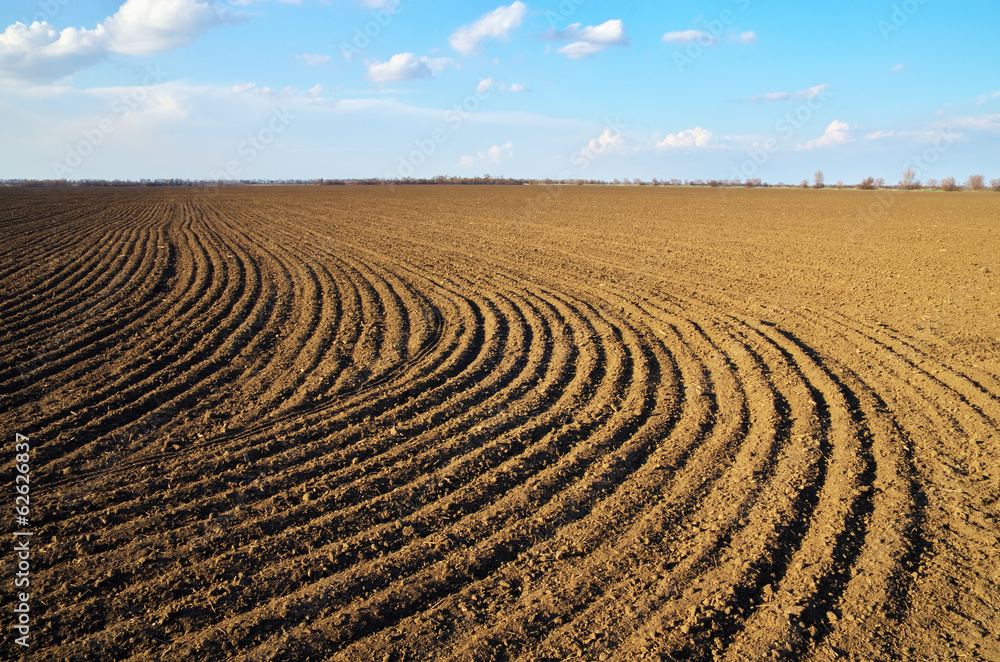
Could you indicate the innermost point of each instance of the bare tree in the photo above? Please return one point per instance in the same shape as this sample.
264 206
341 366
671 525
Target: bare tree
932 183
995 184
976 182
879 182
949 184
867 184
909 180
804 183
820 179
840 183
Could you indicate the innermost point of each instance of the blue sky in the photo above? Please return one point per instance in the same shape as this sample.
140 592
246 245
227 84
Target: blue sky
730 89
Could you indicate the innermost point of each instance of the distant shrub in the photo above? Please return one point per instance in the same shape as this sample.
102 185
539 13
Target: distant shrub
867 184
995 184
976 182
949 184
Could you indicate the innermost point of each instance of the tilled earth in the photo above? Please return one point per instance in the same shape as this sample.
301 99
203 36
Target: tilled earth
503 423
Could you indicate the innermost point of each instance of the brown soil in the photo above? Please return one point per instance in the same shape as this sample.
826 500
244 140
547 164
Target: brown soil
504 423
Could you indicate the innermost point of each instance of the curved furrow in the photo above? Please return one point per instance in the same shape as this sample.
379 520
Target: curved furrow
569 466
139 392
72 272
78 279
91 319
57 240
577 501
691 503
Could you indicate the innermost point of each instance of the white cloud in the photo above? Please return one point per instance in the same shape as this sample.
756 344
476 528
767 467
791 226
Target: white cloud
315 91
810 93
144 27
497 151
748 37
689 37
314 60
494 154
39 52
245 87
606 142
696 137
497 24
838 133
485 85
589 40
515 87
897 68
405 66
579 49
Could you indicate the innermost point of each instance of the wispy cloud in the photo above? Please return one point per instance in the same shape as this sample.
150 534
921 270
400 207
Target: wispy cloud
487 84
497 25
314 60
810 93
690 37
748 37
878 135
986 97
990 123
685 37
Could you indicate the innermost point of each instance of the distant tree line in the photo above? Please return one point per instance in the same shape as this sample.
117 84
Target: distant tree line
908 182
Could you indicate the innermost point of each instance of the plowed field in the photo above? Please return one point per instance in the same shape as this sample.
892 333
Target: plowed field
503 423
